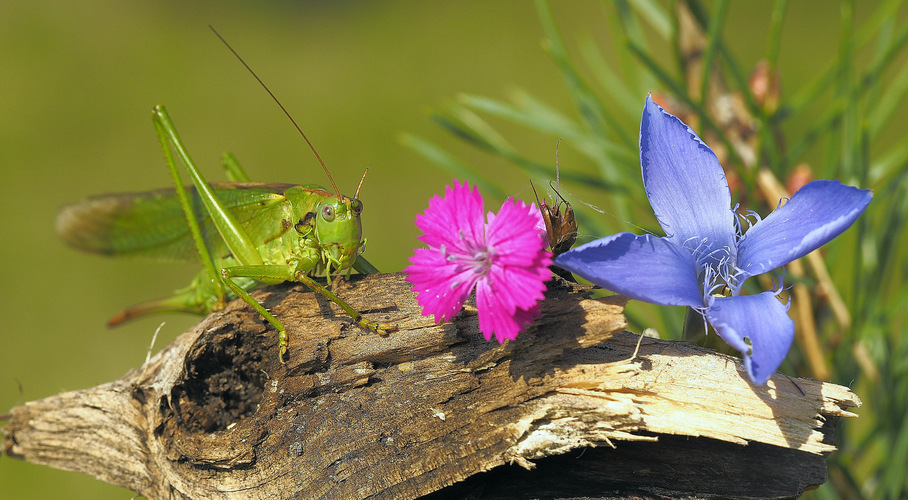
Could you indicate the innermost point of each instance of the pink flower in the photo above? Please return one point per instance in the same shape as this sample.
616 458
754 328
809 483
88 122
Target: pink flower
504 259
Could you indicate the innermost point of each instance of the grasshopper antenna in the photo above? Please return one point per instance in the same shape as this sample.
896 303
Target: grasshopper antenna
300 130
356 196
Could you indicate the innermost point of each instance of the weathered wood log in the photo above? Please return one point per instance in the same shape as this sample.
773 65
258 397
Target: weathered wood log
568 409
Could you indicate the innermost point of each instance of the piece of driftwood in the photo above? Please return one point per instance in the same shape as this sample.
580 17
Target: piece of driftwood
566 410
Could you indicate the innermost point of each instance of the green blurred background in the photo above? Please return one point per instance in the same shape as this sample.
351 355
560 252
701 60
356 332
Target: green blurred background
78 80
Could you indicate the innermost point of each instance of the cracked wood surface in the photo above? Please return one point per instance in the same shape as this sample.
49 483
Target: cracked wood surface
566 410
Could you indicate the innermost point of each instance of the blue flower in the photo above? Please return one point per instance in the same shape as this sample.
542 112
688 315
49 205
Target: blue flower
705 257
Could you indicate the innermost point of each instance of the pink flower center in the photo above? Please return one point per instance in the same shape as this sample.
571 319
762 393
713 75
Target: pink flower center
477 257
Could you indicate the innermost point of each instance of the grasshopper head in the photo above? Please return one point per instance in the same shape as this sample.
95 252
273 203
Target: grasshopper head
339 231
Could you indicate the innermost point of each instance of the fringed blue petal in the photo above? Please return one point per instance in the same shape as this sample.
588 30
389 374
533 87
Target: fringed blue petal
760 321
684 183
644 268
817 213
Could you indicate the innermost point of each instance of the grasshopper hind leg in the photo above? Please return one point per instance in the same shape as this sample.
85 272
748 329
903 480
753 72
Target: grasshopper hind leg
197 298
187 302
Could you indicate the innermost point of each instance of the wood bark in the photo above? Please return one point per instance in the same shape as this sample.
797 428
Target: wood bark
568 409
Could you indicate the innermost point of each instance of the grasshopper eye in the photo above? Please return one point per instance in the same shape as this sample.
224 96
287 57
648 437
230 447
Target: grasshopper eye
328 213
357 207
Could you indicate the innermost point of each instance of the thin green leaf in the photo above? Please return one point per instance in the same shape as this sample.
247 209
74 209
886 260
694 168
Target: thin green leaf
656 15
807 94
618 92
502 149
473 127
593 113
897 461
774 38
738 76
539 116
630 69
846 89
889 164
713 40
531 114
448 162
632 29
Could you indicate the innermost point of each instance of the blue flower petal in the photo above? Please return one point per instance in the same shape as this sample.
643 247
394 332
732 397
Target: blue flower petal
684 182
643 267
763 321
817 213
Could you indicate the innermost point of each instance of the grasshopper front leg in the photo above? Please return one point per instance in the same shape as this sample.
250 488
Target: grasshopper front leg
262 273
358 318
284 273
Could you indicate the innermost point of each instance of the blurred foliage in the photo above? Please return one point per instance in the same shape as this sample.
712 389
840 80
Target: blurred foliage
852 315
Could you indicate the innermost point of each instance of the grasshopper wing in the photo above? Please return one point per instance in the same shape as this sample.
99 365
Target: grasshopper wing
152 224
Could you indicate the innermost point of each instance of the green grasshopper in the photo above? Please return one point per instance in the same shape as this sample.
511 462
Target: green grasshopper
246 234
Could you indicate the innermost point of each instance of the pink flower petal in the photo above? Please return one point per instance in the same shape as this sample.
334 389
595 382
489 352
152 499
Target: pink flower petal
540 223
494 320
441 288
516 240
520 287
450 220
